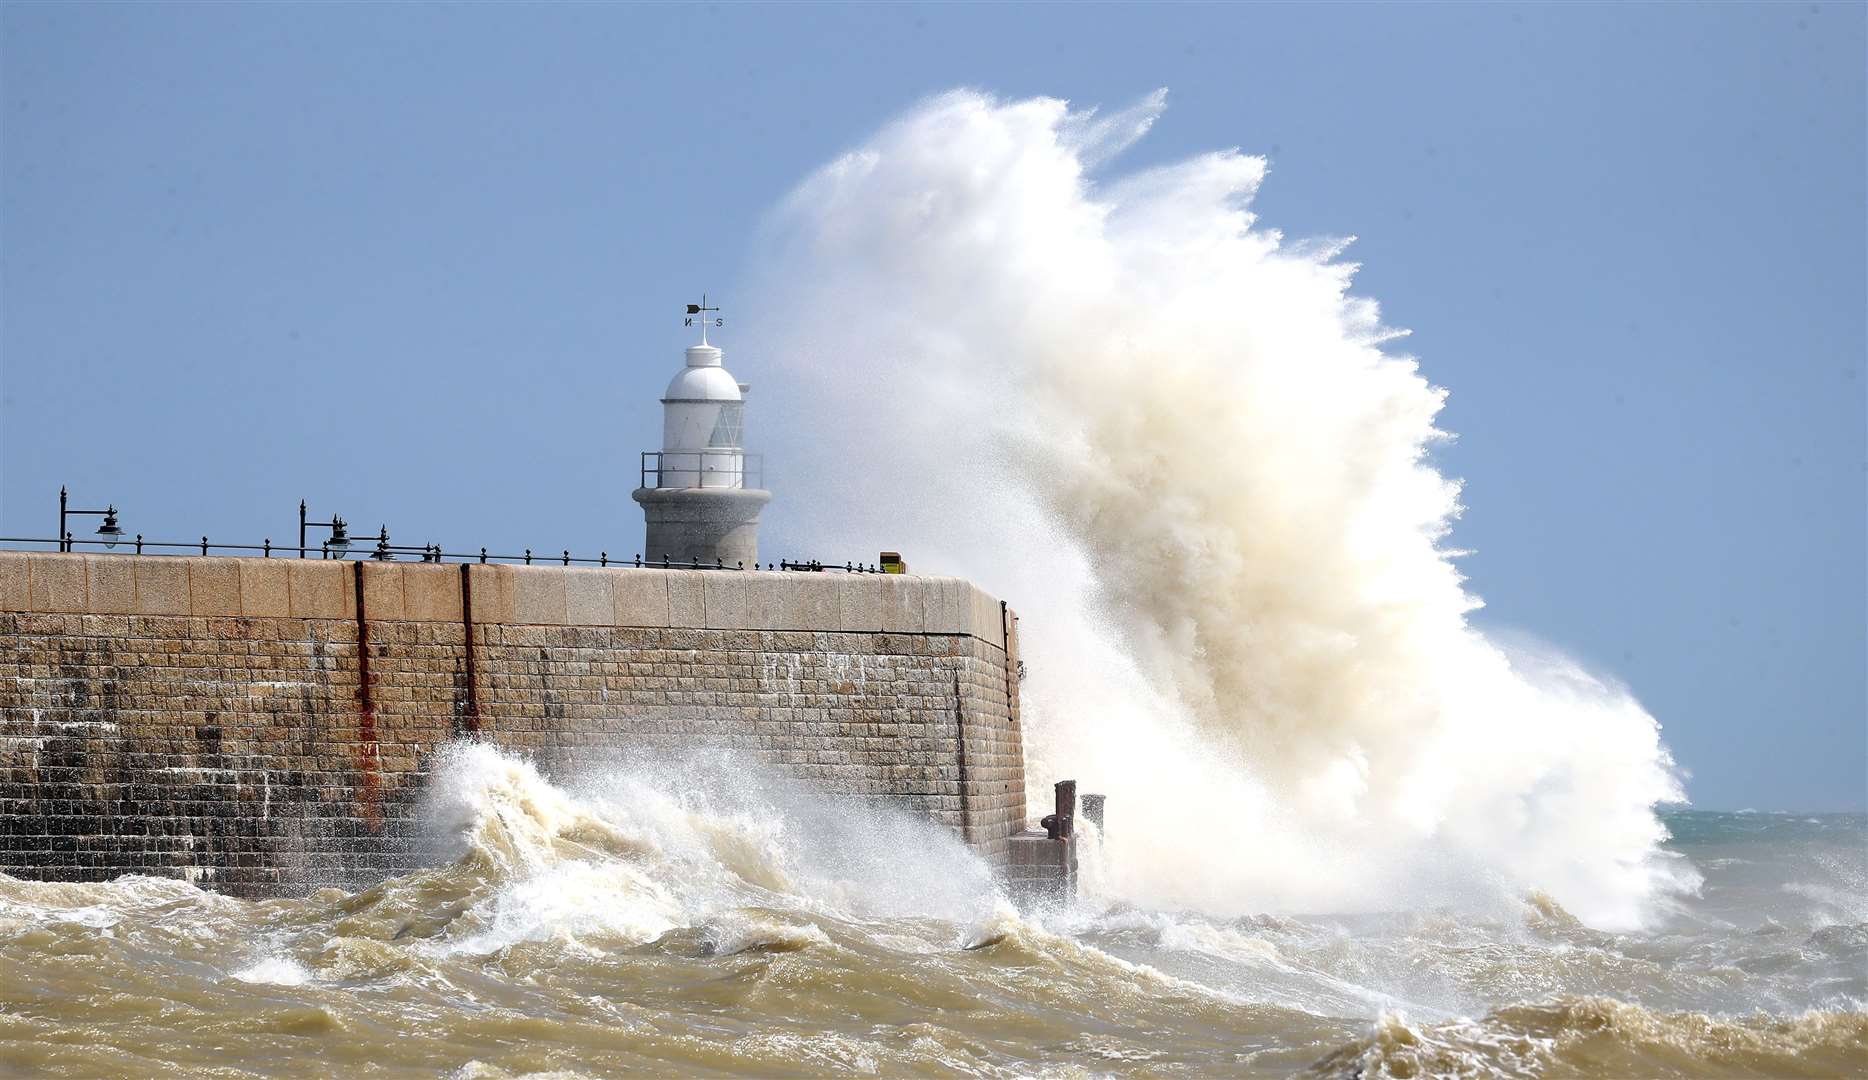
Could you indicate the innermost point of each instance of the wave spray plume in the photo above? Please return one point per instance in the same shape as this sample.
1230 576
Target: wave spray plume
1202 472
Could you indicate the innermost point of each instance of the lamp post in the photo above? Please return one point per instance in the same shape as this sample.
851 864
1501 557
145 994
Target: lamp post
340 534
108 530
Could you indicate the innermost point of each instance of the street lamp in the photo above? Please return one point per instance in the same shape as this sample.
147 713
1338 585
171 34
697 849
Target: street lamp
108 530
340 535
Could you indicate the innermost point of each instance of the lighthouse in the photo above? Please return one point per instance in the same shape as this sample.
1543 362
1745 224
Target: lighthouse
700 492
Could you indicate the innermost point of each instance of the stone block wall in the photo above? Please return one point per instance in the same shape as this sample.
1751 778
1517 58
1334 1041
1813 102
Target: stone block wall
217 719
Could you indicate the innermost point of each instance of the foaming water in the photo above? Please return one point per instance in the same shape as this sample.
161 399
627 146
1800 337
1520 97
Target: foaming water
698 916
650 845
1203 472
1603 1037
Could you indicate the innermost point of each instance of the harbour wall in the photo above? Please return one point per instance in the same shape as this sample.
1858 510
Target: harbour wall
263 726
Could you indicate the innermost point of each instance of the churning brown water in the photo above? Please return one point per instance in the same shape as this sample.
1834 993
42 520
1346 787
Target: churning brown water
690 918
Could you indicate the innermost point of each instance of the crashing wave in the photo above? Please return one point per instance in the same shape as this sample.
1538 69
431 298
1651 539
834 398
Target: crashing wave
1205 474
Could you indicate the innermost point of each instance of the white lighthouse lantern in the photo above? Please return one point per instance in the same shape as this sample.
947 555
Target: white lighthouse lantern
703 419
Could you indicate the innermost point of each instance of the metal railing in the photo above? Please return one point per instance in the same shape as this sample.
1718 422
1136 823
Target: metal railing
722 465
378 548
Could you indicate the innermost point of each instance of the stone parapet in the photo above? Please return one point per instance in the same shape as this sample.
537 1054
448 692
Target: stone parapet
111 584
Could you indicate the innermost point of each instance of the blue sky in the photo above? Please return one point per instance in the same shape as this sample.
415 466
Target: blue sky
421 265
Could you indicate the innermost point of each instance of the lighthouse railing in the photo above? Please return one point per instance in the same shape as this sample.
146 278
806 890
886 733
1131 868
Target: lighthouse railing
714 468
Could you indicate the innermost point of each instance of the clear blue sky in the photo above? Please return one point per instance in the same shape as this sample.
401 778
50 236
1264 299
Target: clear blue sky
420 265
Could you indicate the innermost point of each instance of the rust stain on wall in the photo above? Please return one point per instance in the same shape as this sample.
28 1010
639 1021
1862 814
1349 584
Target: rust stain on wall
369 755
470 723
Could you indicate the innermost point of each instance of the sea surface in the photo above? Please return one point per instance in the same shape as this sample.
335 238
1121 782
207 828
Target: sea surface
678 921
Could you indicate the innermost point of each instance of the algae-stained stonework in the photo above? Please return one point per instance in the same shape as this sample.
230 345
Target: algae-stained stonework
215 718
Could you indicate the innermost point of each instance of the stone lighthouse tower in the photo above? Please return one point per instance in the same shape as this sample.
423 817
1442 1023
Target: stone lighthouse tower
701 499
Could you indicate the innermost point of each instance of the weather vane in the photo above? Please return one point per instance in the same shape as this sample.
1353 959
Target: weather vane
701 309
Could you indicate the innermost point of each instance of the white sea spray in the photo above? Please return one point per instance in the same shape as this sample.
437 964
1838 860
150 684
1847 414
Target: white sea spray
1203 473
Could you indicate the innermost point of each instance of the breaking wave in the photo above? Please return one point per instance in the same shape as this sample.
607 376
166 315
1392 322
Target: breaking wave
705 846
1203 472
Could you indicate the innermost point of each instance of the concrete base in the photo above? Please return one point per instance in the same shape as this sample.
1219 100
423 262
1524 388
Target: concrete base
703 525
1040 871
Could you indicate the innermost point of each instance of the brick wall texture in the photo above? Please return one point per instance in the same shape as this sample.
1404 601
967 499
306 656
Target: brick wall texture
216 719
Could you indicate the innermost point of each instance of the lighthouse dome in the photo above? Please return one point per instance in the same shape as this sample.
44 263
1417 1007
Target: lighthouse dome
703 379
702 384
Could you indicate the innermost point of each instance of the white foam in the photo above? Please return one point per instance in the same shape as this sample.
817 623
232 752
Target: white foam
629 850
274 971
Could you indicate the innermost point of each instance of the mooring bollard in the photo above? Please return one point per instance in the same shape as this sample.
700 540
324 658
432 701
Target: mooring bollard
1093 809
1060 825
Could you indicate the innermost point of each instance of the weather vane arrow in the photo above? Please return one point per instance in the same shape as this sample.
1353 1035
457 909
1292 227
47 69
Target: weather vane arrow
701 309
